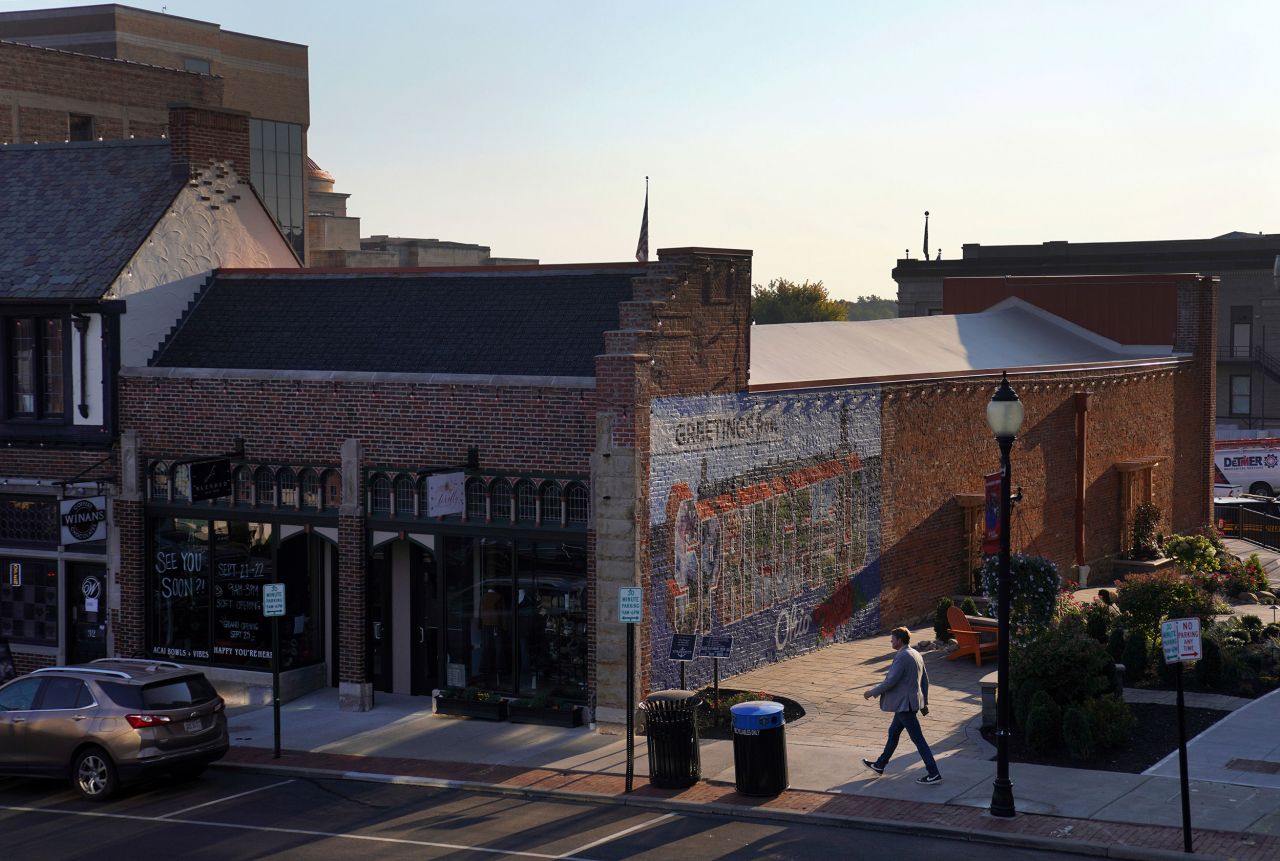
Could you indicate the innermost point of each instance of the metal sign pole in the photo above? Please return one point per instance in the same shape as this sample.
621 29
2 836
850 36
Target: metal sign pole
631 703
275 678
715 681
1182 767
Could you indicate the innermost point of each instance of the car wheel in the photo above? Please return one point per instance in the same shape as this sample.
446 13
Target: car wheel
93 774
1260 488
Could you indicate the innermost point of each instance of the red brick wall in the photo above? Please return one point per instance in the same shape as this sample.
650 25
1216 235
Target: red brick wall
53 463
52 84
400 425
1132 414
200 136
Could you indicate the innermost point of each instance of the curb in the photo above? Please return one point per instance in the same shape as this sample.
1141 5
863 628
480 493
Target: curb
745 812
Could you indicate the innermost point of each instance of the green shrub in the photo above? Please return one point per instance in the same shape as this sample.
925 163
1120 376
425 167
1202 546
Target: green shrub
1248 576
1112 721
1193 553
1115 644
1135 655
1044 723
941 627
1073 668
1209 667
1148 599
1077 733
1252 624
1024 690
1271 632
1105 596
1098 619
1145 519
1033 591
1168 672
969 607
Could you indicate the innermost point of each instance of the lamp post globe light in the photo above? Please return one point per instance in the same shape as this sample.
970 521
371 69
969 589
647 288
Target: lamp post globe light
1004 417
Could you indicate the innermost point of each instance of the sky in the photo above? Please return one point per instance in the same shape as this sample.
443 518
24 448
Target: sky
815 134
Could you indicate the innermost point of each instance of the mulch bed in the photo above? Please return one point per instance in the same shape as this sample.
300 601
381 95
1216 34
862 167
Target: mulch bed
1154 738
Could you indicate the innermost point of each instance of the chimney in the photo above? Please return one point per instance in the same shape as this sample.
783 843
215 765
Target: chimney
199 136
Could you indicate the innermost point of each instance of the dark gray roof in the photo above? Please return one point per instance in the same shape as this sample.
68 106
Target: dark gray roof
72 214
535 322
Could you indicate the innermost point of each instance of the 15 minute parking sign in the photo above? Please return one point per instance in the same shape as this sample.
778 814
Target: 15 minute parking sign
630 604
272 599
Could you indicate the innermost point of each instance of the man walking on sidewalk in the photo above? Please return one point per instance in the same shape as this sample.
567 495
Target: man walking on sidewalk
904 690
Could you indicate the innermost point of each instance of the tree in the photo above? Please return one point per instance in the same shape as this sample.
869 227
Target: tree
870 308
786 301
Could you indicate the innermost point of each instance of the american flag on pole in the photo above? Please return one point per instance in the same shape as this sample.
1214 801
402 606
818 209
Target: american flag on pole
642 246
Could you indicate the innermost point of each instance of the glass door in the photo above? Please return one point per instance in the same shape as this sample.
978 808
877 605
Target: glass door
378 633
86 612
425 599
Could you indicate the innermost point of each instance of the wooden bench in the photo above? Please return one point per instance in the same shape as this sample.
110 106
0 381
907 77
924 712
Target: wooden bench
969 636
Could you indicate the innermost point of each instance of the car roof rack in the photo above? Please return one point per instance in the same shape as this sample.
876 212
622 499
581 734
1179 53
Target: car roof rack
119 674
142 662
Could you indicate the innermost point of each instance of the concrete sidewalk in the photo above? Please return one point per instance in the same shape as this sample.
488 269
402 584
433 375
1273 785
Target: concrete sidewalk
1235 813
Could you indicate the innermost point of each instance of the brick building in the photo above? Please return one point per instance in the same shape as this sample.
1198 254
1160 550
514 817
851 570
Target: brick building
110 72
620 425
1246 264
102 245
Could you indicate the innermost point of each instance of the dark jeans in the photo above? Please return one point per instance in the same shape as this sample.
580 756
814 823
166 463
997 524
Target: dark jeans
909 722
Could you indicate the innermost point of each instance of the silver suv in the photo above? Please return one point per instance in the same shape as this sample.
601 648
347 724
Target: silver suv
109 722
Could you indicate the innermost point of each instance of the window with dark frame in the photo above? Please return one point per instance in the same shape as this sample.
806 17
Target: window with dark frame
160 481
1241 395
244 486
526 502
265 485
79 127
552 504
500 501
35 373
577 504
310 483
380 495
198 65
405 496
475 499
332 482
288 487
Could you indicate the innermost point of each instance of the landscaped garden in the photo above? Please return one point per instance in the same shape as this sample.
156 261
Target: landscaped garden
1067 656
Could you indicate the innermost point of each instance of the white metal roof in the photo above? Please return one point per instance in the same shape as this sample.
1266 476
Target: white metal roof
1013 334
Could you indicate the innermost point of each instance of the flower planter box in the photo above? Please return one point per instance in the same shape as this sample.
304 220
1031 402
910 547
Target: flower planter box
471 708
569 717
1121 568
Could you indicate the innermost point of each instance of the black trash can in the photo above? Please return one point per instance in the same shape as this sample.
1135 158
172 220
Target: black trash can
671 728
759 748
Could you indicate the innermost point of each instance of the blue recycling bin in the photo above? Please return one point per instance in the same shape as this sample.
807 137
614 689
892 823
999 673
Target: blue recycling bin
759 748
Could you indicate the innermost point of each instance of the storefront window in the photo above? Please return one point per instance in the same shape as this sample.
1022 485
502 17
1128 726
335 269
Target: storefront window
179 587
242 564
29 600
29 520
478 612
205 593
551 619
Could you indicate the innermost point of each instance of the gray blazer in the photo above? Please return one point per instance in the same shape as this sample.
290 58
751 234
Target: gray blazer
906 685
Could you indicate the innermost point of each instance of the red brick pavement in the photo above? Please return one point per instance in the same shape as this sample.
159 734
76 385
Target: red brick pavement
1245 847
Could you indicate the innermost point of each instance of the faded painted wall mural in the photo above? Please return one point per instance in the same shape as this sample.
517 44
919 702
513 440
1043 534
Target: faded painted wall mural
765 523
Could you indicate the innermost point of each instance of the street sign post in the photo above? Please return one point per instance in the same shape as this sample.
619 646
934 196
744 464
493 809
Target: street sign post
1181 641
273 609
682 650
715 648
631 613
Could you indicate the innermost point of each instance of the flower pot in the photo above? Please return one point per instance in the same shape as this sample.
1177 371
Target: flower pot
569 717
495 710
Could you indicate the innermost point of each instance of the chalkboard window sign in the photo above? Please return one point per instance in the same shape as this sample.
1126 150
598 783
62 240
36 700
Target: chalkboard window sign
682 646
179 585
715 647
7 670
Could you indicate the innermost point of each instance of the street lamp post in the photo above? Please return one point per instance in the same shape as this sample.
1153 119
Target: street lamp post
1004 417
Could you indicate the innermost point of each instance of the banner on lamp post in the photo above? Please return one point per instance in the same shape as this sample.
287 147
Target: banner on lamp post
991 516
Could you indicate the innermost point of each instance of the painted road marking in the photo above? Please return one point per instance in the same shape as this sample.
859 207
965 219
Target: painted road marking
303 832
623 833
221 800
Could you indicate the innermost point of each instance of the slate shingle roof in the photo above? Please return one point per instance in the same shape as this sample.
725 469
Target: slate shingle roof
72 214
535 322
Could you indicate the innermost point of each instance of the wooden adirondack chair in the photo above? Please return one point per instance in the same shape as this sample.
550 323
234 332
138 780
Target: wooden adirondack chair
967 635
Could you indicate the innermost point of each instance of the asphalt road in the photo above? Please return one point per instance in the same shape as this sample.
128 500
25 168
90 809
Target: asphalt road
230 814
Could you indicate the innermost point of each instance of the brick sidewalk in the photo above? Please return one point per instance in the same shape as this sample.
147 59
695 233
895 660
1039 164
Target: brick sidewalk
716 797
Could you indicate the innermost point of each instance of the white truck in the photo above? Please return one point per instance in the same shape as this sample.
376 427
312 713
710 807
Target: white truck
1252 464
